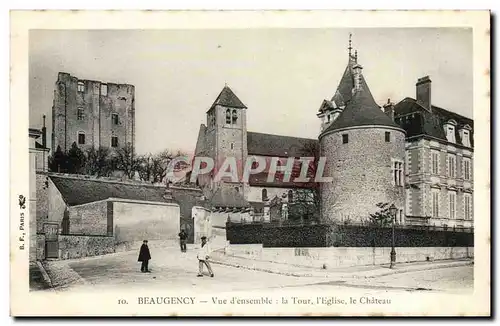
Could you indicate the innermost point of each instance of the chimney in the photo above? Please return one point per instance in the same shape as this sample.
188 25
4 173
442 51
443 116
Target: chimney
44 134
389 109
357 77
424 92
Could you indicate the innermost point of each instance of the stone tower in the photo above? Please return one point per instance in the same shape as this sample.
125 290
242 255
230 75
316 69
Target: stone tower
92 113
364 152
226 137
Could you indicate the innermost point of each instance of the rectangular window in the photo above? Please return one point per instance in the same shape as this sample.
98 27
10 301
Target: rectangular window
387 137
114 141
114 118
452 197
398 173
468 206
345 138
81 86
104 90
435 162
79 114
435 203
452 166
467 174
81 138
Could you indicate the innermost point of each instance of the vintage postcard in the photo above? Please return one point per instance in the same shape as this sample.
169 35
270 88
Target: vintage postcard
258 163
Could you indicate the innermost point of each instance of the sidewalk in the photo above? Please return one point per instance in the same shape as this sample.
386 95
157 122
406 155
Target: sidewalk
354 272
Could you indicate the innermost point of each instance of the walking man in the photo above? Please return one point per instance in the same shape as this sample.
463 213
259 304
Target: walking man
183 238
144 257
203 255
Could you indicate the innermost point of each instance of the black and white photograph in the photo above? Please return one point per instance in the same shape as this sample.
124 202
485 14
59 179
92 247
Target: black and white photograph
252 170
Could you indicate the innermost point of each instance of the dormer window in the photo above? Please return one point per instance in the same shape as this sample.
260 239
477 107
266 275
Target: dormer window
449 129
104 90
465 132
81 87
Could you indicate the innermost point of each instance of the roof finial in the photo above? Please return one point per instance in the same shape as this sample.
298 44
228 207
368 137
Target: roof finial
356 56
350 42
225 84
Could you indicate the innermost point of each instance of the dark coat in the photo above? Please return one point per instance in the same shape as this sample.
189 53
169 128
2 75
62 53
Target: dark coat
183 235
144 254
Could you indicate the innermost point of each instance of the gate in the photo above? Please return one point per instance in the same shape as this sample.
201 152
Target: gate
51 240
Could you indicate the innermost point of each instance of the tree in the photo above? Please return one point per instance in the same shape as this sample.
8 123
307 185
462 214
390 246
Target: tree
76 159
155 168
98 162
126 160
382 217
304 203
58 161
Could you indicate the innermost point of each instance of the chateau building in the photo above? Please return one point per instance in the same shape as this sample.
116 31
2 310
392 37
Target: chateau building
439 161
92 113
413 154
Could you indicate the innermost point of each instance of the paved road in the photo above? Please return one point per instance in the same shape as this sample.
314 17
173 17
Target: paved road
174 270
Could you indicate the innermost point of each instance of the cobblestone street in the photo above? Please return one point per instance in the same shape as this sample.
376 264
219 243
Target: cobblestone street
173 270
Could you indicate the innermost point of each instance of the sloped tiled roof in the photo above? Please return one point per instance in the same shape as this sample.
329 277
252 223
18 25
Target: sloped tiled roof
416 120
344 90
361 110
276 145
76 191
229 99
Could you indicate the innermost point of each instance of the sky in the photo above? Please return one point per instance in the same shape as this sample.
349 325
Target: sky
281 75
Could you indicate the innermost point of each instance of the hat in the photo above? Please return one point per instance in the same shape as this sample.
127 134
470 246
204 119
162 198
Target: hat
203 237
145 241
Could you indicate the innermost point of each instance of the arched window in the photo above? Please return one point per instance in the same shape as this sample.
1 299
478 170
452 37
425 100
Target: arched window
228 116
290 196
235 117
264 194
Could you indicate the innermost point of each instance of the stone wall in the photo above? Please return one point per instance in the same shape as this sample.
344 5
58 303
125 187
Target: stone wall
72 246
89 219
345 257
42 200
361 168
97 108
40 247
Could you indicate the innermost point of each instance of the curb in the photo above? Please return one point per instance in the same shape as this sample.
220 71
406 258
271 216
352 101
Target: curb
448 265
45 275
343 275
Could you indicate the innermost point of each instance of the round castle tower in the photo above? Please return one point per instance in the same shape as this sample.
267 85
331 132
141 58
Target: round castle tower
365 155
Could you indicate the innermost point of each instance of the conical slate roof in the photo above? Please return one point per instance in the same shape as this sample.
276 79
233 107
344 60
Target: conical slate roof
361 110
229 99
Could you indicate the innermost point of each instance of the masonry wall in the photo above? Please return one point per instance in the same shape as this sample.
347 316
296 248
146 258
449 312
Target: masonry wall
361 171
97 107
42 202
346 257
136 221
89 219
202 223
72 246
187 198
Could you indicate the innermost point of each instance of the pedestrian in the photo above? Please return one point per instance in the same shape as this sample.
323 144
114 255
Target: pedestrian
144 257
203 255
183 238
